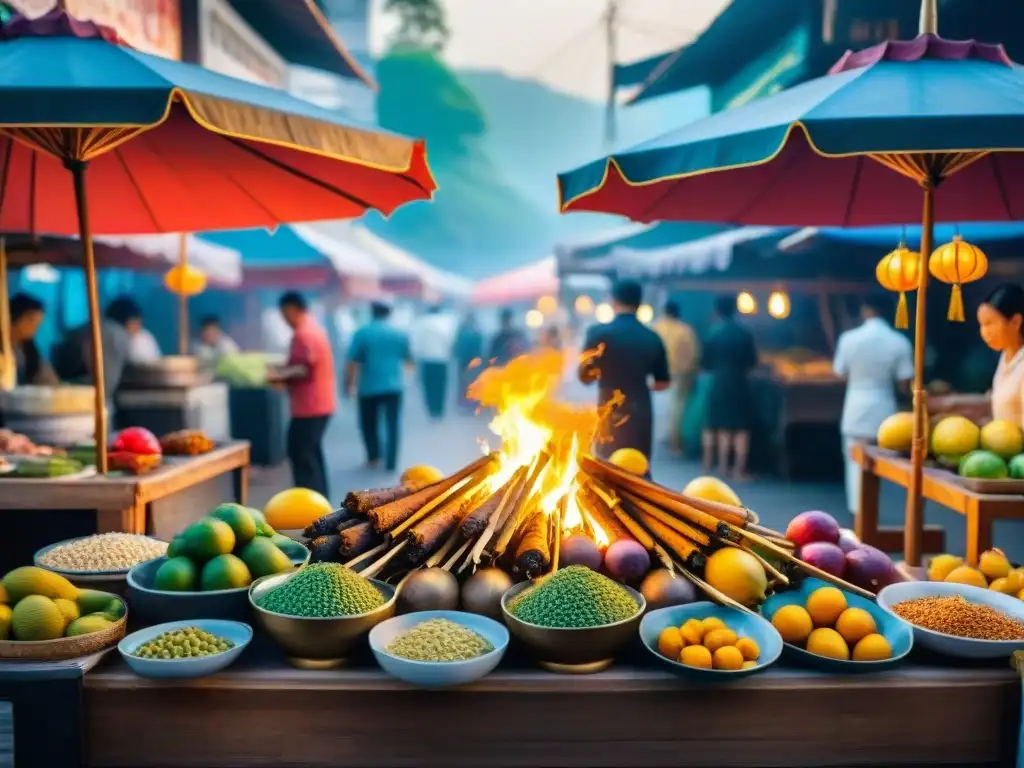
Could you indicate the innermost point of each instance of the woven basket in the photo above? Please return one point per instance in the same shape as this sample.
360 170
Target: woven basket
64 648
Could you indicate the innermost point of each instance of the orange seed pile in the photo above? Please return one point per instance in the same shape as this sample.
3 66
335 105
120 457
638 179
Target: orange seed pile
956 616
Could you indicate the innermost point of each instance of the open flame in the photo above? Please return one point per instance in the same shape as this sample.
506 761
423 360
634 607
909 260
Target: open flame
530 420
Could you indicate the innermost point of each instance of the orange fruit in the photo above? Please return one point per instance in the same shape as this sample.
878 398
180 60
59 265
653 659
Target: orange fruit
295 509
829 643
712 622
825 605
670 642
420 475
695 656
728 658
748 665
748 647
631 460
692 632
794 623
854 624
872 647
719 638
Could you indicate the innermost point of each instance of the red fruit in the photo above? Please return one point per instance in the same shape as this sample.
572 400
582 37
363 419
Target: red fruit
870 568
808 527
627 561
579 550
848 540
829 557
136 440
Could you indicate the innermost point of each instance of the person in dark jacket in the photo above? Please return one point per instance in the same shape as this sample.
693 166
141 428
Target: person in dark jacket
729 355
509 342
627 357
27 313
467 351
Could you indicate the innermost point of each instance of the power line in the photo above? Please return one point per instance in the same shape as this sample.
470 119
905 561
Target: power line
572 42
657 29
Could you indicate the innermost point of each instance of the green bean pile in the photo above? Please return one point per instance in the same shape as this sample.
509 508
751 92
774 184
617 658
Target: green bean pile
186 643
439 640
323 591
574 598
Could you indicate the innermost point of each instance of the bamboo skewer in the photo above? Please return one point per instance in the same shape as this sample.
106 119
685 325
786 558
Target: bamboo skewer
696 535
458 553
521 513
372 570
382 547
557 537
435 558
771 569
462 488
513 491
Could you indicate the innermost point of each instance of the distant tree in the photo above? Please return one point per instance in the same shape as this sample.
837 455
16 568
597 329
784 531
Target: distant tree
421 23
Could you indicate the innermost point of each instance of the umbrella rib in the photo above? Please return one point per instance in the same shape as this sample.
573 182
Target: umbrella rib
1001 186
3 174
138 189
858 170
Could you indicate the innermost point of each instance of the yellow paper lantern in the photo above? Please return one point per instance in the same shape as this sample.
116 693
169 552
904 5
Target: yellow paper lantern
957 262
185 280
746 303
778 305
898 271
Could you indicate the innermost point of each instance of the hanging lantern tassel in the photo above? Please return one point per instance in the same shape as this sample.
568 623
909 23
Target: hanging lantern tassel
957 262
897 271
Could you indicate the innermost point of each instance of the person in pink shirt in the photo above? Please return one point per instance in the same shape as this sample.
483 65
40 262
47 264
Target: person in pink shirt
310 379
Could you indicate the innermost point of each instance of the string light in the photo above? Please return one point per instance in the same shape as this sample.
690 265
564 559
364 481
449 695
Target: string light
534 318
584 305
547 305
746 304
604 313
645 313
778 305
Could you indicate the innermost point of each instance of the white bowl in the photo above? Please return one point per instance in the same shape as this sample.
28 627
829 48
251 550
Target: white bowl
951 645
438 674
165 669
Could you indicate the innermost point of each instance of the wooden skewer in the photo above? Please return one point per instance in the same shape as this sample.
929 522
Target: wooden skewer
462 488
435 558
768 533
775 572
557 538
719 597
378 566
507 503
367 555
458 553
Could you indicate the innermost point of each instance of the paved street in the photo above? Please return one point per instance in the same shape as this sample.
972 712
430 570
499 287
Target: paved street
456 441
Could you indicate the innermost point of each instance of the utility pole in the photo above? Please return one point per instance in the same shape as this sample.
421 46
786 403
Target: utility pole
610 20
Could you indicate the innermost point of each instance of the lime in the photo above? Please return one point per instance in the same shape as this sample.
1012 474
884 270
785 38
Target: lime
176 575
239 519
225 572
208 538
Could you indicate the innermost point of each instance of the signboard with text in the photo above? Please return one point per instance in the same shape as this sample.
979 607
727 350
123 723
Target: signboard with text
151 26
230 46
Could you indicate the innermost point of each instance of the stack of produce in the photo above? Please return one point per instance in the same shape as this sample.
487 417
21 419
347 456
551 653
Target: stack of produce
574 598
186 442
135 450
42 467
994 571
37 604
323 591
186 643
708 644
103 552
227 550
822 543
826 626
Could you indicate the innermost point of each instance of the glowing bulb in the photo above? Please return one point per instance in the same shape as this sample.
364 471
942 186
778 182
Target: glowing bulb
604 313
645 313
584 305
547 305
778 305
746 304
534 318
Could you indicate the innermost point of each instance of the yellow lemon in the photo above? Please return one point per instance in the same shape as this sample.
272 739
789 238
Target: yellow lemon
897 432
829 643
794 623
631 460
737 574
719 638
670 642
1004 438
296 508
748 647
942 565
712 622
824 605
854 624
872 647
993 564
727 658
711 489
692 632
967 575
1004 586
1014 580
421 475
695 656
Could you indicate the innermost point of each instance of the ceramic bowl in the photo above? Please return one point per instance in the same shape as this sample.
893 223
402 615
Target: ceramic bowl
575 651
156 606
315 643
106 581
169 669
438 674
896 631
950 645
742 623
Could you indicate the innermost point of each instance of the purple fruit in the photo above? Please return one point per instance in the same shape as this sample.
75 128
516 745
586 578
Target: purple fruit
808 527
627 561
869 568
579 550
828 557
848 540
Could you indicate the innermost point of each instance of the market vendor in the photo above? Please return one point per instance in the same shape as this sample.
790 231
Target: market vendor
213 343
632 361
72 356
875 359
1000 318
27 314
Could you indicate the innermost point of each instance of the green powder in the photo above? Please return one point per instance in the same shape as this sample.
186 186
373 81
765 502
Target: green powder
573 598
439 640
323 590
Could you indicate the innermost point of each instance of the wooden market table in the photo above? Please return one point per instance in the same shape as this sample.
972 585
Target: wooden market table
981 510
158 502
271 715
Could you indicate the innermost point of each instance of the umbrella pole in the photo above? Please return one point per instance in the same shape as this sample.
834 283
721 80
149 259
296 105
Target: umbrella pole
183 297
77 168
914 522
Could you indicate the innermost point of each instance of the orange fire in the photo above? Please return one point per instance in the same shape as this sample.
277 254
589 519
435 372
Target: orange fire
530 419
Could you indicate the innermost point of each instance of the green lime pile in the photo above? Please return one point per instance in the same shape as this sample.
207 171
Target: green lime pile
227 550
187 643
573 598
323 591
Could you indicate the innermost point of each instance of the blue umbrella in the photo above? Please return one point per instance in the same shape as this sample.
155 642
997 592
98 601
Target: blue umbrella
593 254
936 112
96 138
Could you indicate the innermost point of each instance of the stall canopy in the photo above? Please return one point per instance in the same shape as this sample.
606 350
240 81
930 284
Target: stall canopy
297 258
531 282
595 255
400 272
707 254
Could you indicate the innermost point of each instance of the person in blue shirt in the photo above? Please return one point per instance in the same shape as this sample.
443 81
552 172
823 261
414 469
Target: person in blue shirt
632 361
375 373
467 351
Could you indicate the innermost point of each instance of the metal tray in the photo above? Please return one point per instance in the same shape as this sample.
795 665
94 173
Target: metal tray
171 372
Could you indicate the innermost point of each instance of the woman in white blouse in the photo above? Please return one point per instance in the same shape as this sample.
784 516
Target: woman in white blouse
1000 318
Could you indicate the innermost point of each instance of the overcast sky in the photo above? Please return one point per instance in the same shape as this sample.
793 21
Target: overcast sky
561 42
